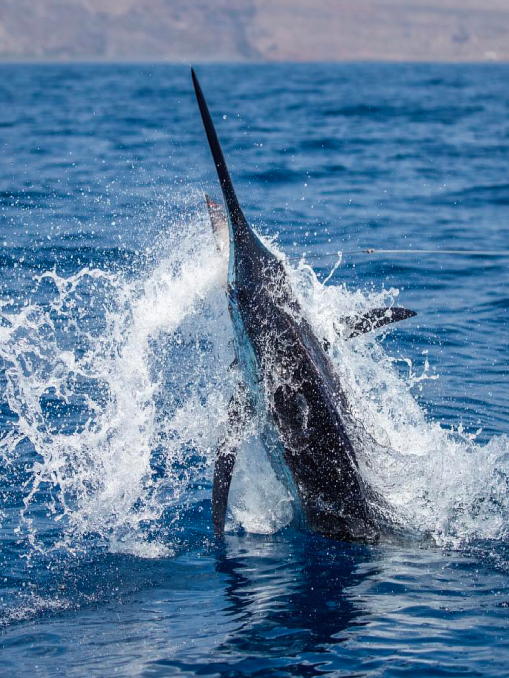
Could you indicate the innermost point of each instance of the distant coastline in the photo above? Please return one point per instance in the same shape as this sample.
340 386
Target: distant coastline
226 31
100 61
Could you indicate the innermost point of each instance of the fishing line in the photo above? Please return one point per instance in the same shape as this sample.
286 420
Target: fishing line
372 250
471 253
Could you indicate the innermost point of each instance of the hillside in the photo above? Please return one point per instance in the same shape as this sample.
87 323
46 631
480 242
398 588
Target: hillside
233 30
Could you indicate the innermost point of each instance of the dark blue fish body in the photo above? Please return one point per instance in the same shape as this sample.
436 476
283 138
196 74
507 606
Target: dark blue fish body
289 378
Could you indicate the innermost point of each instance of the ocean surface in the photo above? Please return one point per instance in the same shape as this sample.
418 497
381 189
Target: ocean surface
115 354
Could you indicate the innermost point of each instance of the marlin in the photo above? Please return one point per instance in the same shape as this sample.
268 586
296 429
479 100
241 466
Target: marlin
289 381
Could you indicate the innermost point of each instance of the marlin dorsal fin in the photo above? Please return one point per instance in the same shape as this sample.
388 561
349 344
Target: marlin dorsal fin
219 222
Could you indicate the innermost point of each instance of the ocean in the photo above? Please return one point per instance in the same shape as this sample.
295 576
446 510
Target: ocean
115 369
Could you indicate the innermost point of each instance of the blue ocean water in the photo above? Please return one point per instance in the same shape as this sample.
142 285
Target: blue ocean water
115 347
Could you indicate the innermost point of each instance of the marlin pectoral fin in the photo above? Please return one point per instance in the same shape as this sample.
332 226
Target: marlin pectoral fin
226 455
373 319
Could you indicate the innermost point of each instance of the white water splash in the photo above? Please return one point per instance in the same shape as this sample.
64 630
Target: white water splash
120 388
259 502
95 472
438 483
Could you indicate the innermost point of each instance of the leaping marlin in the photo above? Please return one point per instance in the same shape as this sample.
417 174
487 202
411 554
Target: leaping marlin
289 381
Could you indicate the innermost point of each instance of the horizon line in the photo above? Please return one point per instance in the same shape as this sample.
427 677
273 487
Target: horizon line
187 62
